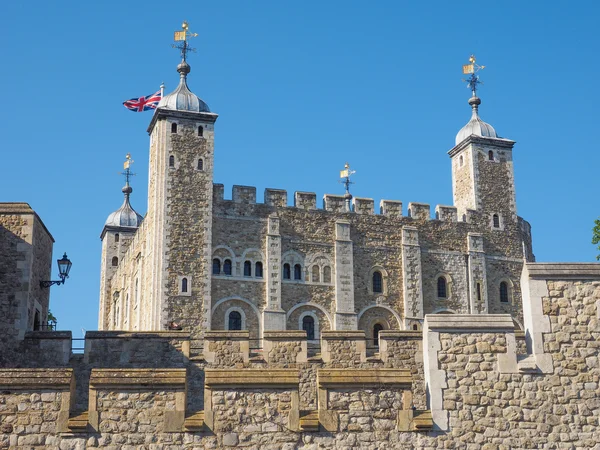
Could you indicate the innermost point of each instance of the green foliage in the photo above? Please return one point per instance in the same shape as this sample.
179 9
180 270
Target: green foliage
51 316
596 236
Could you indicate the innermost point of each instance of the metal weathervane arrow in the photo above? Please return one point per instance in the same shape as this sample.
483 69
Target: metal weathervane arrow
472 68
183 36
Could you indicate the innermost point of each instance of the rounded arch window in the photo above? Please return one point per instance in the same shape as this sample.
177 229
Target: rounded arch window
315 274
287 273
216 266
308 325
496 220
200 164
298 272
258 270
442 287
173 127
235 321
326 274
171 161
491 155
376 329
377 282
184 285
247 269
227 268
504 292
115 261
200 131
117 237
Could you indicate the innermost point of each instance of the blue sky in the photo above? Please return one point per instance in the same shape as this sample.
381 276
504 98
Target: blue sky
300 87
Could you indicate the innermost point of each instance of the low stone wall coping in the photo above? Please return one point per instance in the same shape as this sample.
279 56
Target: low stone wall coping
48 335
227 335
347 377
137 335
475 322
346 334
36 378
137 378
564 271
284 335
251 377
401 334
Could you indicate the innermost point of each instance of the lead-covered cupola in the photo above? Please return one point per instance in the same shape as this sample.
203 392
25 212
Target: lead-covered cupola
475 126
182 99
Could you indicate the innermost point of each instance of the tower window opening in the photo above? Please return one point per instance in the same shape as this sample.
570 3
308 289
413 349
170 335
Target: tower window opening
308 325
200 164
36 320
235 321
287 273
326 274
504 292
376 329
461 161
315 274
297 272
171 161
442 288
184 285
496 220
415 327
173 128
491 155
115 261
377 282
478 292
247 269
216 266
200 131
258 270
117 237
227 267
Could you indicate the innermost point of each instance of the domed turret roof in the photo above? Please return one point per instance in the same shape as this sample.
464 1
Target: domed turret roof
182 99
475 126
125 216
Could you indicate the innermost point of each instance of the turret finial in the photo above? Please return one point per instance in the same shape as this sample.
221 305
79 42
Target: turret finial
472 68
183 36
345 180
128 174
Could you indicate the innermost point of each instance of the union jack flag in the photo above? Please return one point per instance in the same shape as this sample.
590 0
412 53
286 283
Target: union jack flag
143 103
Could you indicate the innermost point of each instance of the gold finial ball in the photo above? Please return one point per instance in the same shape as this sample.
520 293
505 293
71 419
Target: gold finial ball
185 25
472 59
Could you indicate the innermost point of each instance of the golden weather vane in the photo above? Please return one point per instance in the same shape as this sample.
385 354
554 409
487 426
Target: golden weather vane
345 177
472 68
183 36
127 168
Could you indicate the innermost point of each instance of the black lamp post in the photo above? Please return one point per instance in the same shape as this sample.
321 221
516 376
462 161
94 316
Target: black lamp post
64 267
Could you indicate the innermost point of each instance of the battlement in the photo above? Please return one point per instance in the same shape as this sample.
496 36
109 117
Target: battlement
335 203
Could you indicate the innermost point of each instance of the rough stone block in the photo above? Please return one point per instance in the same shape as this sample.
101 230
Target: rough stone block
218 192
334 203
446 213
305 200
363 205
275 197
391 208
244 194
419 211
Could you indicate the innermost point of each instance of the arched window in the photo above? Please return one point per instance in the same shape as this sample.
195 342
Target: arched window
308 325
376 329
287 272
461 161
247 269
115 261
117 237
184 286
200 131
36 320
442 288
315 274
200 164
235 321
478 292
171 161
297 272
377 282
216 266
173 128
496 220
491 155
415 327
258 270
326 274
504 292
227 267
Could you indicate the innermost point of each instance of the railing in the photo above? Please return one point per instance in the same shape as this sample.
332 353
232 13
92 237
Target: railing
50 326
77 345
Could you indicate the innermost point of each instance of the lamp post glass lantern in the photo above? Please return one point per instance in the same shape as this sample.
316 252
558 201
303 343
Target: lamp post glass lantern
64 267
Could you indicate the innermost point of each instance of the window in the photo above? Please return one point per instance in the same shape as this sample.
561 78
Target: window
200 131
326 274
377 282
115 261
227 267
491 155
36 320
315 274
258 270
504 292
117 237
173 128
496 220
442 288
216 266
461 161
287 274
415 327
171 161
376 329
297 272
136 299
184 285
478 292
200 164
126 308
235 321
247 269
308 325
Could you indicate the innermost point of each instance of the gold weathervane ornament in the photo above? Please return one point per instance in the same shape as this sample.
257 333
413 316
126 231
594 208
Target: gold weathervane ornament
127 168
183 36
345 177
472 68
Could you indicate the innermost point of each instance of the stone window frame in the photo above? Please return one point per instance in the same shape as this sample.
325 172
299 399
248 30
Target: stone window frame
115 261
200 131
384 280
174 127
173 161
321 261
230 310
510 291
180 285
449 286
500 226
116 297
258 257
316 322
293 258
117 238
200 165
231 256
